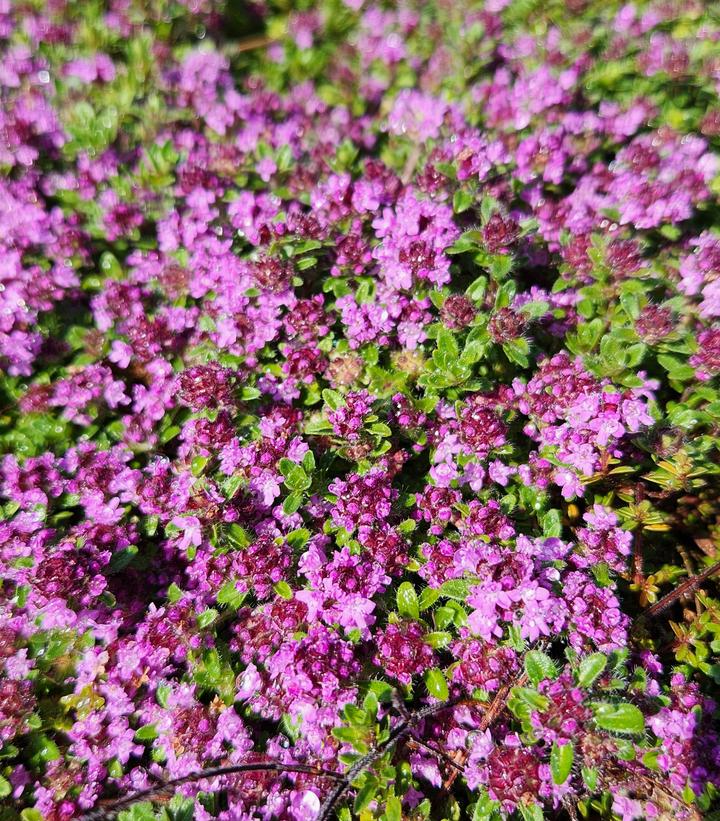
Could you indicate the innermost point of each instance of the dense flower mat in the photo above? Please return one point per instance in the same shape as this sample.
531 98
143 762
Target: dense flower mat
360 409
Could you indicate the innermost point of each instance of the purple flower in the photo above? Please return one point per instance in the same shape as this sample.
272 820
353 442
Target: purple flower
416 115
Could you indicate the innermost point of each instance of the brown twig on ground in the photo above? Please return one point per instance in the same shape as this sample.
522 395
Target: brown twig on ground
249 44
638 551
707 546
410 164
688 586
418 743
110 810
497 705
654 782
400 731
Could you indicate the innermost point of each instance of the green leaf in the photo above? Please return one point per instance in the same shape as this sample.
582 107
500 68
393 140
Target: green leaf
590 669
585 337
146 733
457 589
169 433
174 593
534 310
348 734
142 811
365 292
438 638
382 690
407 601
505 295
619 718
650 759
380 429
366 793
515 638
561 761
370 705
162 694
516 351
110 266
5 787
447 344
625 749
9 751
292 503
483 809
393 809
233 484
539 666
436 684
634 355
488 206
443 617
590 778
318 427
354 715
306 262
469 241
500 267
230 596
473 352
297 539
531 812
462 201
198 465
428 597
552 523
238 537
283 590
294 475
332 399
524 700
308 462
476 289
122 558
676 368
206 618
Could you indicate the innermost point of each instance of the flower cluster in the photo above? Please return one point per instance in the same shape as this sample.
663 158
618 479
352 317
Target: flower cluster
360 369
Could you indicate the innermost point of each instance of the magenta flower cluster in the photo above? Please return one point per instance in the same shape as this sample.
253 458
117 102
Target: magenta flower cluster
357 360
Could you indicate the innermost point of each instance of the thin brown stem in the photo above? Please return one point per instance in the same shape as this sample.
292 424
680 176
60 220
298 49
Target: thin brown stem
418 743
399 732
112 809
491 714
638 546
410 164
688 586
249 44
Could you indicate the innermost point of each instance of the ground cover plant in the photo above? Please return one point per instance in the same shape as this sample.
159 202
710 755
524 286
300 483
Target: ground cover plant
359 410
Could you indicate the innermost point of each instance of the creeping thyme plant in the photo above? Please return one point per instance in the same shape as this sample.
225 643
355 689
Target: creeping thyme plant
360 410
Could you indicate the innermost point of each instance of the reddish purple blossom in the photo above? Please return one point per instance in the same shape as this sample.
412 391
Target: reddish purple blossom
206 386
366 353
457 312
499 233
402 651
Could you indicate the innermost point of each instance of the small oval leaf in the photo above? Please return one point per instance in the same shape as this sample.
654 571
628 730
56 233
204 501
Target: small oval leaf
437 684
407 601
561 761
619 718
539 666
590 669
393 809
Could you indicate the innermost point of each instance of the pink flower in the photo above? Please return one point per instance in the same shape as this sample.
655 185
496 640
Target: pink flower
191 531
